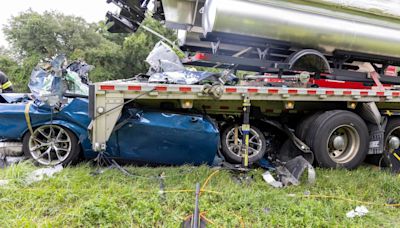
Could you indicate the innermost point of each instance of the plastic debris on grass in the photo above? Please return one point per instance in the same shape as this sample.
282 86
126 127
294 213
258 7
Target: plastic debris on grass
290 173
359 211
40 174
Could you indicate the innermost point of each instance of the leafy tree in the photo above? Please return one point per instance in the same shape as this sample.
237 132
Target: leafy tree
50 33
34 36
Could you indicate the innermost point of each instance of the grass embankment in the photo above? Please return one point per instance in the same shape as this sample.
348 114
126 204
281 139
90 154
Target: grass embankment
76 198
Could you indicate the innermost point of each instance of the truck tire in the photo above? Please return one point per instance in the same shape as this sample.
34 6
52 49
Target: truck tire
339 139
51 145
232 153
392 129
302 128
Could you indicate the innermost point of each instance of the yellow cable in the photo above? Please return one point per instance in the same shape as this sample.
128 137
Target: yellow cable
208 179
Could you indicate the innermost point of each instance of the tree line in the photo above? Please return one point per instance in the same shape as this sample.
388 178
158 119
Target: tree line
33 36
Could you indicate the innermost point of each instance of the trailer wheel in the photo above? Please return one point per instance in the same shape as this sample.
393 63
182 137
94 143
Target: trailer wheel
339 139
231 151
51 145
392 136
302 128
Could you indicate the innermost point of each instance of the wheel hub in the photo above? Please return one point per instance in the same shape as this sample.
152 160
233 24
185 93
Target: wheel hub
50 145
338 142
343 143
394 142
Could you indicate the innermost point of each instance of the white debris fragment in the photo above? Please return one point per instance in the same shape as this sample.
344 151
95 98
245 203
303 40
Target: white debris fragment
267 176
358 212
39 174
4 182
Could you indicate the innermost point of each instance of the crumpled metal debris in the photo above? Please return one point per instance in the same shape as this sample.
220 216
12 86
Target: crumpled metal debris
358 212
298 165
163 59
7 161
10 153
290 173
10 149
52 78
39 174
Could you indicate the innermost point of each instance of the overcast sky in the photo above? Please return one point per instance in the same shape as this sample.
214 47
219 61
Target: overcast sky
90 10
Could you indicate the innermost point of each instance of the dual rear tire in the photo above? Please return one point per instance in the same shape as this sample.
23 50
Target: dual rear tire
338 138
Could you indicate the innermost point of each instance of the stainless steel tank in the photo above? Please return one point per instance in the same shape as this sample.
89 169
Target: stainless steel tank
304 26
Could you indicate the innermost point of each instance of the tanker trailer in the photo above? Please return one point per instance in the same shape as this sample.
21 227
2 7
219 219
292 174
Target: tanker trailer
303 26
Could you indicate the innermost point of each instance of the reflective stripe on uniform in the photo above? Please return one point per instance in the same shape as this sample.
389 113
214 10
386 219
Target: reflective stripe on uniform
6 85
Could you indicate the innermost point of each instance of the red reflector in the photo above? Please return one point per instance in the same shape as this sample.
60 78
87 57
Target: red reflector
292 91
200 56
107 87
135 88
396 94
380 93
231 90
312 92
273 91
161 88
364 93
347 92
252 90
224 107
185 89
329 92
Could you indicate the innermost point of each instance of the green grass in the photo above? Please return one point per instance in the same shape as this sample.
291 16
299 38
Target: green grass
74 198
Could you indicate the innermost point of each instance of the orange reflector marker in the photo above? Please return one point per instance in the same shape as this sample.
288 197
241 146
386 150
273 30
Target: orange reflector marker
273 91
185 89
107 87
161 88
135 88
231 90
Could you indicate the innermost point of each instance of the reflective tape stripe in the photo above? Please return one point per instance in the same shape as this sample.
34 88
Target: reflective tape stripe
7 85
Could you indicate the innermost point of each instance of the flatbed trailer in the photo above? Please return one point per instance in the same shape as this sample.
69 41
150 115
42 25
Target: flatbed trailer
108 98
340 125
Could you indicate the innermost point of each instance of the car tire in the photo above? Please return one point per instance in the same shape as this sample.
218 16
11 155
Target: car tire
339 139
392 128
231 152
51 145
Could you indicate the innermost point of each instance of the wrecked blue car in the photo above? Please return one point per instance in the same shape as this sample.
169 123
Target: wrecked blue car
144 136
53 126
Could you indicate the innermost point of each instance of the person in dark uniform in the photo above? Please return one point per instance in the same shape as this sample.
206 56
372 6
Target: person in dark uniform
5 84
